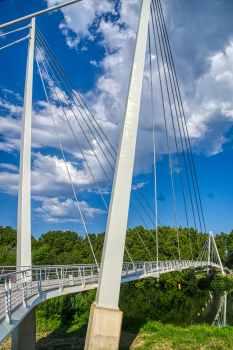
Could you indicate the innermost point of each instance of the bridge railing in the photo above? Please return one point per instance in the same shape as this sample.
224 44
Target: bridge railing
16 287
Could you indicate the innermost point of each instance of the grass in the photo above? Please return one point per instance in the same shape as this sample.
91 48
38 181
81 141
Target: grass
152 335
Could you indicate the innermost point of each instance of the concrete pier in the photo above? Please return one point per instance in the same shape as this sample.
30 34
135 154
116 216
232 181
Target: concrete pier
24 335
104 329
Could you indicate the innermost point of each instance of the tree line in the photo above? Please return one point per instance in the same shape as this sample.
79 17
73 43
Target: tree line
67 247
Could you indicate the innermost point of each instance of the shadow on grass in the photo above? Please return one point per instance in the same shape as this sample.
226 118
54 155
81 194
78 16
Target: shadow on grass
72 336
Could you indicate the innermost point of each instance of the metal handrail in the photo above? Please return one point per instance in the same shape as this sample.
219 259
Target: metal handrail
16 287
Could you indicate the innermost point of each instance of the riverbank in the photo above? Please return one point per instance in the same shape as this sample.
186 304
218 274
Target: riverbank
152 335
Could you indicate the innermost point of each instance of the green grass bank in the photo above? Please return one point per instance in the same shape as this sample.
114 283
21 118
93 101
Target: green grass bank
151 335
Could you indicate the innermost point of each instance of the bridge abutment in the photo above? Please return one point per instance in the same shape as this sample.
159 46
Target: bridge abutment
24 335
104 329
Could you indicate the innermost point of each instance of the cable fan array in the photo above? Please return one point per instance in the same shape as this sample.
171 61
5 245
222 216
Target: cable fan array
165 246
165 66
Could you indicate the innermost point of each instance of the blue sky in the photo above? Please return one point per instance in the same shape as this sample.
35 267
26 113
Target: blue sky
94 41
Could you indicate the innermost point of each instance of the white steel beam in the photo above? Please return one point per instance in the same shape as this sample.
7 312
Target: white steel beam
39 13
24 193
113 251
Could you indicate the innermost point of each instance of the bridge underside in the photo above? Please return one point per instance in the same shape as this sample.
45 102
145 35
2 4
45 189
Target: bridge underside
51 288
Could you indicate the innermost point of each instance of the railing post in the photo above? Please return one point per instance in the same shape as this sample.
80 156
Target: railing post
61 281
17 294
38 283
7 301
24 278
84 281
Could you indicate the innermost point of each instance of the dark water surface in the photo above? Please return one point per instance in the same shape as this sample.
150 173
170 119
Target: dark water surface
184 307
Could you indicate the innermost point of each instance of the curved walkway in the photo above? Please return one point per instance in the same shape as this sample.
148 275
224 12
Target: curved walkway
22 290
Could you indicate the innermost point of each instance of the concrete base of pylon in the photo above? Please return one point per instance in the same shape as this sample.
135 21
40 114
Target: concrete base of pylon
24 335
104 329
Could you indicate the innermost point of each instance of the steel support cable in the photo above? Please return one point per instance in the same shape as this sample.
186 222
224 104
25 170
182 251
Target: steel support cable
85 122
178 103
78 144
152 220
141 240
94 135
177 151
16 30
203 248
71 182
184 117
105 155
55 59
81 148
153 127
51 53
176 112
38 46
73 113
75 104
149 230
58 63
15 42
165 121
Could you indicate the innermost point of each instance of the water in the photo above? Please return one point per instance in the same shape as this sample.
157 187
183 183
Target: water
184 307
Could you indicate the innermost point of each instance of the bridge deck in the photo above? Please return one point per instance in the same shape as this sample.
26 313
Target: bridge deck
21 291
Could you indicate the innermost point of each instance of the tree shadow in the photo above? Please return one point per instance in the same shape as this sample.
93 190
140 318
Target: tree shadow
64 338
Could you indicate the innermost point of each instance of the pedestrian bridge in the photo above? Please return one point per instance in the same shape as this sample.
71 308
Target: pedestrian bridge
22 288
21 291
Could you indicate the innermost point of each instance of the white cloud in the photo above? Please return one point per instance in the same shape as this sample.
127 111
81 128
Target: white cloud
211 91
55 210
79 17
9 166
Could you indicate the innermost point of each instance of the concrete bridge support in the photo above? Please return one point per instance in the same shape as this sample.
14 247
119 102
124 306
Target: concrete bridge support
24 335
105 319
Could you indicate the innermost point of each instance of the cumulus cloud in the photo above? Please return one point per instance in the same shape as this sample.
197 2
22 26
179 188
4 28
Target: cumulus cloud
205 75
55 210
9 166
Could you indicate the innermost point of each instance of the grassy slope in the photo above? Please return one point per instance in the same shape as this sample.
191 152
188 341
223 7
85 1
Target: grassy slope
153 335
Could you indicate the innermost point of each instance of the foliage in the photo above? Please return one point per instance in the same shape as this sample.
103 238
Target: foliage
68 309
221 282
58 247
42 256
187 277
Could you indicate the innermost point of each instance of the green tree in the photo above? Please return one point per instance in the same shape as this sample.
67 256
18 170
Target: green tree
42 256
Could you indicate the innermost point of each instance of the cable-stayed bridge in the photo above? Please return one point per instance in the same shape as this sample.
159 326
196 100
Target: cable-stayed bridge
25 286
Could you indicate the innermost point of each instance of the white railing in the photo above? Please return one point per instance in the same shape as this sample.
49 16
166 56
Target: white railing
16 287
